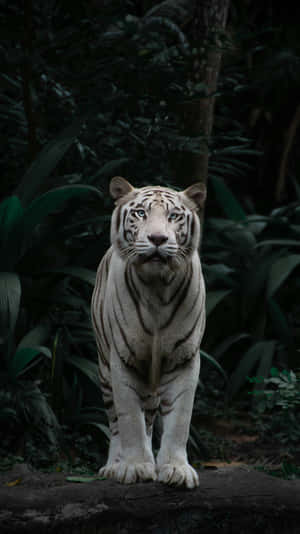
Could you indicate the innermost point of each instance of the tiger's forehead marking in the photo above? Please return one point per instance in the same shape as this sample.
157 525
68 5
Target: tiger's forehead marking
158 195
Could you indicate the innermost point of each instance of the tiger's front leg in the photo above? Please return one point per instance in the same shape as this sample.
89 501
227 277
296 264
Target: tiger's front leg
177 398
137 461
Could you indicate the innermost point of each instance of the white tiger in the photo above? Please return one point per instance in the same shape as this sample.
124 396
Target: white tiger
148 314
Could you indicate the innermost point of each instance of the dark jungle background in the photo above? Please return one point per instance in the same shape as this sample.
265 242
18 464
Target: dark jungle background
161 93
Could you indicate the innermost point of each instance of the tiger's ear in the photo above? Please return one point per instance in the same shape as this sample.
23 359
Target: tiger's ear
197 193
119 187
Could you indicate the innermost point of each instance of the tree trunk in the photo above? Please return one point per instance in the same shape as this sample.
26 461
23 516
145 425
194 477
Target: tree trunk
231 500
207 26
27 80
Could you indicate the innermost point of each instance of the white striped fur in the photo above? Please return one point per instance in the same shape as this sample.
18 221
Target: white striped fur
148 314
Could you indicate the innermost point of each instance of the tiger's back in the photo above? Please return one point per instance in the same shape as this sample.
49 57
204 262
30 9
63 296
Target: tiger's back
148 317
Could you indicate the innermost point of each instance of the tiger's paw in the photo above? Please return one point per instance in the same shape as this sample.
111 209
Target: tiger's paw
129 473
178 475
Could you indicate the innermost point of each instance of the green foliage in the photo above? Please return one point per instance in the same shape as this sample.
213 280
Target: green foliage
279 397
281 390
29 290
44 164
90 90
213 362
114 83
231 206
287 471
251 272
19 224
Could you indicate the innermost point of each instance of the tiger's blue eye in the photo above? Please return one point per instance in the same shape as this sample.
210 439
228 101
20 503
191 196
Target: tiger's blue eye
173 216
140 213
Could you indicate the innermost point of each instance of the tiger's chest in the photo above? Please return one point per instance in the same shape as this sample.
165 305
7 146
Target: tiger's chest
149 321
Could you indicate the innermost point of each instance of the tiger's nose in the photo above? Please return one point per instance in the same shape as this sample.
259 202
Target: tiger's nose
157 239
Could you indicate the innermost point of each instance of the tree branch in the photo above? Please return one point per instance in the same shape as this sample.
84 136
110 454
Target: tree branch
236 498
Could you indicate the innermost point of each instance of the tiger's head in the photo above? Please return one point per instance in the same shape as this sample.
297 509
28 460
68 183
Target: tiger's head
155 226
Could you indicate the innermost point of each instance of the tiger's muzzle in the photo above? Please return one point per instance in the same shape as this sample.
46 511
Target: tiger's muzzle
158 239
159 254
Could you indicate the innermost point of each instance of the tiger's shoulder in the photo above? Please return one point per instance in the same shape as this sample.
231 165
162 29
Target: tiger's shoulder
102 274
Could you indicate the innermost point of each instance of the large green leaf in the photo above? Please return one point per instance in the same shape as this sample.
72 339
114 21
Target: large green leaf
254 281
227 200
228 342
10 295
296 186
57 371
66 300
281 242
108 169
36 410
265 363
23 357
36 336
280 271
35 213
78 272
11 212
90 416
46 161
213 362
219 272
104 429
213 298
263 369
52 201
237 239
279 322
87 367
256 223
245 367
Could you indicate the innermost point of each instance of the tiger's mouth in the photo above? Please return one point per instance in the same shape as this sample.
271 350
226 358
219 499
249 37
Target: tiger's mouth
156 257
